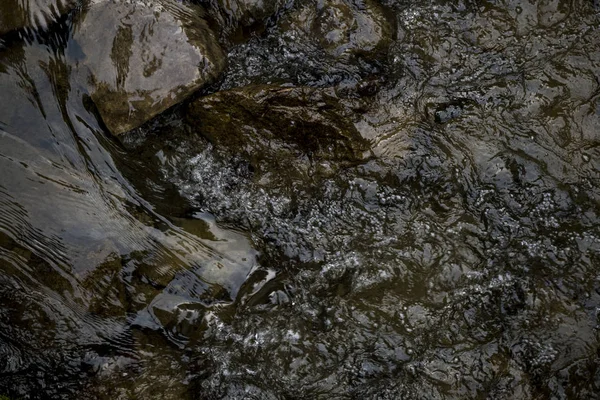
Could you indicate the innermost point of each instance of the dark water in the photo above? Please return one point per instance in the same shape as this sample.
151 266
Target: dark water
461 259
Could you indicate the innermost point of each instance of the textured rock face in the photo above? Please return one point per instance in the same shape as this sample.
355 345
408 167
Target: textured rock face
37 14
249 12
234 16
342 27
276 127
144 57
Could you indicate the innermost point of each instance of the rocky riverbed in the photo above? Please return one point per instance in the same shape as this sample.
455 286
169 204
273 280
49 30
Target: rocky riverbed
299 199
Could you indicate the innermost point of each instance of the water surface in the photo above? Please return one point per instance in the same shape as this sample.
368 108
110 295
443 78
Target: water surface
460 259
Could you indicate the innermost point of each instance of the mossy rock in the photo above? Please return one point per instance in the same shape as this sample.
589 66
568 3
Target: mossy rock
281 126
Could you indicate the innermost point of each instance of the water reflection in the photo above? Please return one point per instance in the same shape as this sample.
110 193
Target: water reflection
84 258
458 260
31 14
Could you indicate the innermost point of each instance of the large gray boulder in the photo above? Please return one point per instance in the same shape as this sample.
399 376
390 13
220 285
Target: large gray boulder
144 57
37 14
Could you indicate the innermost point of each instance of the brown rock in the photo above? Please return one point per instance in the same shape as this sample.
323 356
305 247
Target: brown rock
144 57
236 16
280 125
342 27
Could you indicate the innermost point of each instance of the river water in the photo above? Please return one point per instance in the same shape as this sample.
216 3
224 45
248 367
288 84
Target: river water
460 259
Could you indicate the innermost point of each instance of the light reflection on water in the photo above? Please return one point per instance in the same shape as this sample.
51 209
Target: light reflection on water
460 261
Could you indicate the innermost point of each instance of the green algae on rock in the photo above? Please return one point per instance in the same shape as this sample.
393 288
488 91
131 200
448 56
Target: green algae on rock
144 57
281 125
37 14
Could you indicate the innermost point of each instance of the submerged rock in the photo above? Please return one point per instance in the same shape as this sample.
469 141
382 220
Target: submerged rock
236 16
144 57
274 126
342 27
17 14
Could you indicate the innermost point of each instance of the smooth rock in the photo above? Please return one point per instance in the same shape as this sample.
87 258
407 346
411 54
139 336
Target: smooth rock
144 57
274 126
37 14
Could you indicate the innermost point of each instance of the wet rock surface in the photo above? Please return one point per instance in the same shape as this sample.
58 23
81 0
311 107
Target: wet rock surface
281 127
144 57
237 18
342 27
459 259
316 43
36 14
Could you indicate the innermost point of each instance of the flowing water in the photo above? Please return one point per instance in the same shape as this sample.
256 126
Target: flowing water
459 259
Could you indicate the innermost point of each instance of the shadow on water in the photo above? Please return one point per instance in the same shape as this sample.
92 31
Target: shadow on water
458 259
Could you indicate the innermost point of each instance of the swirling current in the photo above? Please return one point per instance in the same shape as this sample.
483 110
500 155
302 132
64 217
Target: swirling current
433 231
